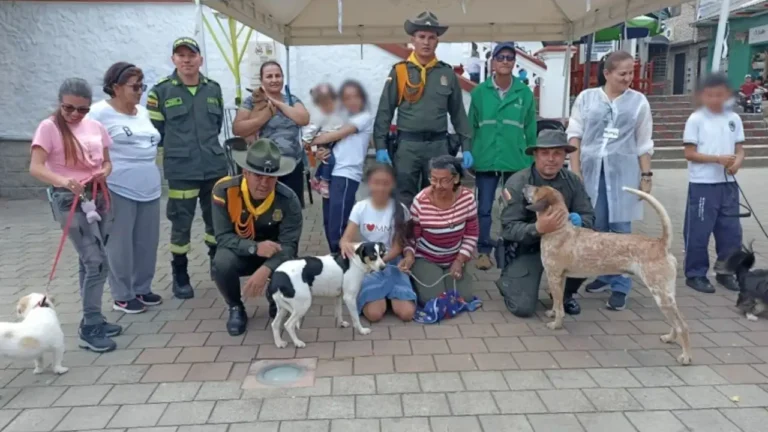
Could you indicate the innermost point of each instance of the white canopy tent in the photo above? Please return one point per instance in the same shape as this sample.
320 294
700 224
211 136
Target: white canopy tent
319 22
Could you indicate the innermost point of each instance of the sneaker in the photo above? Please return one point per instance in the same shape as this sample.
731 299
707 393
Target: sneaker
596 286
617 301
111 330
728 282
483 262
132 306
149 299
94 338
700 284
324 189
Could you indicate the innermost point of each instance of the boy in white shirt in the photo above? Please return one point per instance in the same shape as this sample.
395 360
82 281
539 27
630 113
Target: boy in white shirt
713 139
325 99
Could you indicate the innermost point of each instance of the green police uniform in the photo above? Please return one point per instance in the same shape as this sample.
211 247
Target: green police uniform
189 120
422 125
241 222
521 277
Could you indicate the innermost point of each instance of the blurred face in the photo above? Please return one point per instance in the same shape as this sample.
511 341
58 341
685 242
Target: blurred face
326 104
74 108
187 62
443 181
131 91
549 161
352 99
424 43
621 77
258 185
748 79
504 62
714 98
272 79
380 185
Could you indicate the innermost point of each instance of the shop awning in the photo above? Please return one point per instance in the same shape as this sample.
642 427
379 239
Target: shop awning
708 12
316 22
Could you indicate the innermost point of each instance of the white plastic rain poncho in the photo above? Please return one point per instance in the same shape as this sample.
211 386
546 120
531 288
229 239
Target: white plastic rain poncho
614 134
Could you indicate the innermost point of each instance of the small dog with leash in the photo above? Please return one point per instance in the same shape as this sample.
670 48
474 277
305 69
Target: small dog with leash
578 252
295 282
753 284
38 332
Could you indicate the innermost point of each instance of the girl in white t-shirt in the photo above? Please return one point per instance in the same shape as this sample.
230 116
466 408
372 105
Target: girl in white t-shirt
381 218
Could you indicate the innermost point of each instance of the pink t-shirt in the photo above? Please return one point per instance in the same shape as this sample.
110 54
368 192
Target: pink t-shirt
93 138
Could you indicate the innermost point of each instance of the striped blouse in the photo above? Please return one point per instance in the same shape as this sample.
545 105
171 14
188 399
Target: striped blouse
440 235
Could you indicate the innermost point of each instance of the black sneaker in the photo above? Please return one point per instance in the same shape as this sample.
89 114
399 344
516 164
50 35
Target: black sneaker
150 299
617 301
596 286
132 306
94 338
700 284
238 320
571 306
111 330
728 282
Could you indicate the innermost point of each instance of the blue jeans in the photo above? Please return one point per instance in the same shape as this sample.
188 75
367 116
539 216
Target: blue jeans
336 209
324 169
486 183
618 283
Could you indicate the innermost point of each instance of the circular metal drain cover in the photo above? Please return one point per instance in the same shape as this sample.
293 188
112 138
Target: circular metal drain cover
281 374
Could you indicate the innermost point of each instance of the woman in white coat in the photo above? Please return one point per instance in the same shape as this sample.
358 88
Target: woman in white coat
611 126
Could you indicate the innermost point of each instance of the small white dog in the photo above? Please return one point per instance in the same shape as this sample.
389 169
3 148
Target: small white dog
38 332
295 282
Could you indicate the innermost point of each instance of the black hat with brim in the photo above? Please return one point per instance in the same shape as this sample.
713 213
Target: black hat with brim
426 21
262 157
550 138
186 42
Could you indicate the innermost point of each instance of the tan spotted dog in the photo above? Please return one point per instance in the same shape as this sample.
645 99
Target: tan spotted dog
38 333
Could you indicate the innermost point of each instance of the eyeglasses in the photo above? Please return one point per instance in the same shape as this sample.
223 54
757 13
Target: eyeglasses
138 87
444 181
502 57
69 109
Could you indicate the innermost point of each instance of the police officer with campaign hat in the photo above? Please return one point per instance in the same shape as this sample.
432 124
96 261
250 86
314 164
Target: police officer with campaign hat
187 109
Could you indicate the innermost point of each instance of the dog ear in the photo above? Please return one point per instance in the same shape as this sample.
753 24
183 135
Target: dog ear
543 202
22 306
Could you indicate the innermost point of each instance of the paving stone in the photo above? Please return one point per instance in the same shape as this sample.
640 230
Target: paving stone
118 357
284 408
656 421
612 400
748 395
535 360
208 372
555 423
605 422
454 362
218 390
565 401
82 418
472 403
127 394
175 392
658 398
83 395
36 397
141 415
393 347
527 380
505 423
425 404
570 379
441 382
455 424
706 421
332 407
519 402
235 411
123 374
398 425
740 374
373 365
327 368
698 375
392 425
614 358
703 397
397 383
575 359
748 419
255 427
166 373
354 385
305 426
613 378
494 361
6 416
37 420
477 381
420 363
186 413
378 406
80 376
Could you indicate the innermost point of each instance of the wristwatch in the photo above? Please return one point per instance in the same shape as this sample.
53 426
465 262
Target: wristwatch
647 174
252 250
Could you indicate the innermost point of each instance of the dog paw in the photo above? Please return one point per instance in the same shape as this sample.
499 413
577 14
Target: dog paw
343 324
553 325
60 370
549 313
299 344
667 338
281 344
364 331
751 317
684 359
38 371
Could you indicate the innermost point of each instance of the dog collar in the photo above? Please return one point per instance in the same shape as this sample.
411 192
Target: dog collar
44 303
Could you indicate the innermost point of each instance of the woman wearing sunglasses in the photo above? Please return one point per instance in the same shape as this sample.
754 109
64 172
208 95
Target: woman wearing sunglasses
135 186
70 153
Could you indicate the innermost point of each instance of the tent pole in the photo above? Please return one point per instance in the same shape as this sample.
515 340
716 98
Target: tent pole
567 80
288 67
720 38
588 60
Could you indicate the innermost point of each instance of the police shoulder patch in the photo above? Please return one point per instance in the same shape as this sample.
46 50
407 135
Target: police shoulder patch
151 102
162 80
277 215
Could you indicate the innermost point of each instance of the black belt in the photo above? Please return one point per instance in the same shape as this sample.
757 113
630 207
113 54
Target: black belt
422 136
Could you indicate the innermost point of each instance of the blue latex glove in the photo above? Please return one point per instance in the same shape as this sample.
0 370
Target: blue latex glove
467 161
575 219
382 156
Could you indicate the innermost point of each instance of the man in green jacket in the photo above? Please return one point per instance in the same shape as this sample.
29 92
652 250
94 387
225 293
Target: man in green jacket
187 109
503 120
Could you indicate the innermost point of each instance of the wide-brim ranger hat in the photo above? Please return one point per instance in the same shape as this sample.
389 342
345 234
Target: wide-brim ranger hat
262 157
550 138
426 21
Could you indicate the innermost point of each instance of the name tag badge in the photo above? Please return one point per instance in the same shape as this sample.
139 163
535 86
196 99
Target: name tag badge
611 133
314 148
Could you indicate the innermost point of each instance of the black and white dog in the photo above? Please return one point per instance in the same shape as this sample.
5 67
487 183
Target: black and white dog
295 282
753 284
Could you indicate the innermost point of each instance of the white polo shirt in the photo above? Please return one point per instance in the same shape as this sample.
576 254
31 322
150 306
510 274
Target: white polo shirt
713 134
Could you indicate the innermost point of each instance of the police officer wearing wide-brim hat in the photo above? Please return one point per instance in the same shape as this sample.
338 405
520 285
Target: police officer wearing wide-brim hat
187 109
257 222
424 91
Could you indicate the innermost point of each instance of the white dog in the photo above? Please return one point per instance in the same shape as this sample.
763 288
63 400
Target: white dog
38 332
295 282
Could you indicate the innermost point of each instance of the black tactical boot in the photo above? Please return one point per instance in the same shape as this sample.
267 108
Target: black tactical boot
237 321
182 289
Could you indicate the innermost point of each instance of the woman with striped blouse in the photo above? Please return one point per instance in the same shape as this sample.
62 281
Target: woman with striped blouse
445 232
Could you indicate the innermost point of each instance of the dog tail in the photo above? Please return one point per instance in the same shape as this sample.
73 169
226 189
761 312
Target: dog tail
666 223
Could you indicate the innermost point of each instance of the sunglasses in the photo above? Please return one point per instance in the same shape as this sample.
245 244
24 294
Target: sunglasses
138 87
501 58
69 109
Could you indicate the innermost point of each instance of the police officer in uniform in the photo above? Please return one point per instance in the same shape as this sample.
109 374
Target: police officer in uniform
257 223
424 91
187 109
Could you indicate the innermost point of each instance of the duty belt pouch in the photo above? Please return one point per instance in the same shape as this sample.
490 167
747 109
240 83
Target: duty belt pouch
503 252
453 144
392 139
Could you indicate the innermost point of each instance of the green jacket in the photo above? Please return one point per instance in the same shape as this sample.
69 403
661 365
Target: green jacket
502 129
281 223
518 224
189 121
442 96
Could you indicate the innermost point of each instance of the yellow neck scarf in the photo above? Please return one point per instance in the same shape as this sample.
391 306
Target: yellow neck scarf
422 68
247 229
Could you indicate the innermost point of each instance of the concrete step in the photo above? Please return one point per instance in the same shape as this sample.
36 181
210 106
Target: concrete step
677 133
677 123
679 153
669 98
749 162
671 105
678 142
679 112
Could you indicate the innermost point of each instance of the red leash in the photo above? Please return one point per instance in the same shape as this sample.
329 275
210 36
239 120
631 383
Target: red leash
70 217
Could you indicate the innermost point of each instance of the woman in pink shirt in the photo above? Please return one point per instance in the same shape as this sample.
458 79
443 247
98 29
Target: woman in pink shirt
70 153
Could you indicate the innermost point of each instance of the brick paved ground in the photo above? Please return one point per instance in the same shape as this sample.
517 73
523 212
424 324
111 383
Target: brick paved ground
176 370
